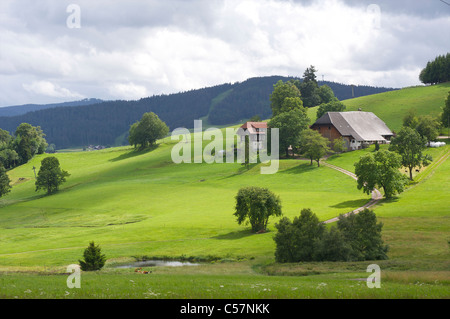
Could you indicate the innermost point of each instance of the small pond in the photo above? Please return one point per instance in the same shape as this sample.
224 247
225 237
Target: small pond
157 263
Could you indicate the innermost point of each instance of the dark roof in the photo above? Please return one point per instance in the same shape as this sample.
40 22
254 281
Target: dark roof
362 126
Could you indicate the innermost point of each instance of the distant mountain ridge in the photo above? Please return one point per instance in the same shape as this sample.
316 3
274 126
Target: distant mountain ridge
107 122
25 108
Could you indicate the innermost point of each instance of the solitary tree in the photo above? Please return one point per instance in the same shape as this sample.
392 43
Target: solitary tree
255 205
145 132
5 186
50 175
380 169
313 145
93 258
409 144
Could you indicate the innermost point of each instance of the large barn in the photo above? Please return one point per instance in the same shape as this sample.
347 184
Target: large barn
358 129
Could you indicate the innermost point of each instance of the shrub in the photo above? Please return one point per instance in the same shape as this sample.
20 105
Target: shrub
295 241
355 237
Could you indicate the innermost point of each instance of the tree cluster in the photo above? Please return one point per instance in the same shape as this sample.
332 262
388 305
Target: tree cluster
436 71
16 150
356 237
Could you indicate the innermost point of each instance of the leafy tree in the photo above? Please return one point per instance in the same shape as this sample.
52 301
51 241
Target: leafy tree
8 158
5 186
285 97
339 145
428 127
445 117
145 132
93 258
255 118
409 144
50 175
333 106
313 145
363 233
290 125
380 169
5 139
255 205
333 246
29 141
295 241
410 119
326 94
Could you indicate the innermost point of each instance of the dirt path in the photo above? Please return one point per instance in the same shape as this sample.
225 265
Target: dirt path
376 195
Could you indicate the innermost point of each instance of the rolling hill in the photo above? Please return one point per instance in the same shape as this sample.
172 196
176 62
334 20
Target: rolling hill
392 106
107 123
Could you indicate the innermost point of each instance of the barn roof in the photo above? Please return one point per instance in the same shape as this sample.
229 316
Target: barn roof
362 126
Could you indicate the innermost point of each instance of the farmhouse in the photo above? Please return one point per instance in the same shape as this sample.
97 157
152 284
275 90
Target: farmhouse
358 129
257 133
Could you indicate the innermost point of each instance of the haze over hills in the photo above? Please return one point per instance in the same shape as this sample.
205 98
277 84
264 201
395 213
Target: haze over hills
25 108
107 122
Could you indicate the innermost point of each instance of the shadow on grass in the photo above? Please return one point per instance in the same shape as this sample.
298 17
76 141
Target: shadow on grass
134 153
351 203
241 170
299 169
235 235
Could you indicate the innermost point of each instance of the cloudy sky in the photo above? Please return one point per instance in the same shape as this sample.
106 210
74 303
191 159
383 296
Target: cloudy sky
53 51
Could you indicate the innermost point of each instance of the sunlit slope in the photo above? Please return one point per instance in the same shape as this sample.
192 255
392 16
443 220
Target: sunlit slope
141 203
392 106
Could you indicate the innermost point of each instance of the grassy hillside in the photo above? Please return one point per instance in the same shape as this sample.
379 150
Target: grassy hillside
392 106
144 204
141 204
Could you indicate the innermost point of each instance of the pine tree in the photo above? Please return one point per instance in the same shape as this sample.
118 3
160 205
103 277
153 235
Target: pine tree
93 258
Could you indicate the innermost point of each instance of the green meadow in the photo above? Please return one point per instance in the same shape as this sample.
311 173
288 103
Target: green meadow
140 205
